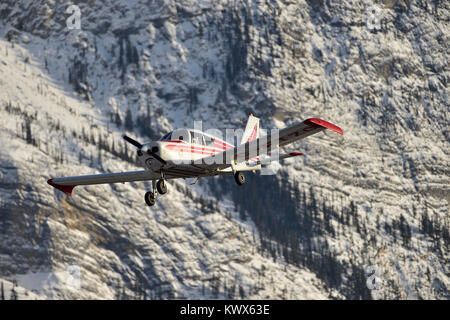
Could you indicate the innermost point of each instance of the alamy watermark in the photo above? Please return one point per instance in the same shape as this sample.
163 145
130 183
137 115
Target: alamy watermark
262 150
68 279
73 277
373 275
73 22
374 14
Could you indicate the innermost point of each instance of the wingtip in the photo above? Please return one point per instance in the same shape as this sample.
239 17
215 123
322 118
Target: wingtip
66 189
325 124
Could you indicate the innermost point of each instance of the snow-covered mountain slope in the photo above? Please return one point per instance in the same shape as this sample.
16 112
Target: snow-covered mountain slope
187 246
376 197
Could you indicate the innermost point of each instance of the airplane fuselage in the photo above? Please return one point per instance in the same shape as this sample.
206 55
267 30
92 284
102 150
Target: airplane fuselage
193 145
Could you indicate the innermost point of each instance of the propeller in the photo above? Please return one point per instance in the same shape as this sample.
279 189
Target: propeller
133 142
139 147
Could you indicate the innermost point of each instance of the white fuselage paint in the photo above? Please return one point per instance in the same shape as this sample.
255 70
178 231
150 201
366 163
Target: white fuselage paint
177 151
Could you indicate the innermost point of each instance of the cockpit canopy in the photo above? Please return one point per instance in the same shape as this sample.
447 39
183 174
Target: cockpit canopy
190 136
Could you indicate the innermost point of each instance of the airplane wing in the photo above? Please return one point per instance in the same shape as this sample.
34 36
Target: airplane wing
271 142
67 184
306 128
208 166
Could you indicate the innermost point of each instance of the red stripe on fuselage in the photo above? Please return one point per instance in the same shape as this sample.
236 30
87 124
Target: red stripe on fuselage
193 149
222 145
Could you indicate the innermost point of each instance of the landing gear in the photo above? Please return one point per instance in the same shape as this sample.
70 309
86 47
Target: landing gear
161 186
239 178
158 187
150 198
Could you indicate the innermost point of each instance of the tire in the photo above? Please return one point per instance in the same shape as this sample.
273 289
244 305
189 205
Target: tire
239 178
161 186
150 198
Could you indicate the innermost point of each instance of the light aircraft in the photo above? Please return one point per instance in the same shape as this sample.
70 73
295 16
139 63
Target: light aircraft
187 153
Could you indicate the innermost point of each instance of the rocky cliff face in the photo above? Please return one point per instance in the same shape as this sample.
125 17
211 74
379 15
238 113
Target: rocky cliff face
371 204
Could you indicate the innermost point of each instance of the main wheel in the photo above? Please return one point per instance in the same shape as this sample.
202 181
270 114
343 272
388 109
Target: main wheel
239 178
150 198
161 186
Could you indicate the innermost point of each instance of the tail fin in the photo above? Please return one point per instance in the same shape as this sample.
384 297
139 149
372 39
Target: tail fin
251 130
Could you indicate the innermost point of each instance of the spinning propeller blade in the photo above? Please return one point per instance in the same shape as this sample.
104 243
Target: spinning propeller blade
139 147
133 142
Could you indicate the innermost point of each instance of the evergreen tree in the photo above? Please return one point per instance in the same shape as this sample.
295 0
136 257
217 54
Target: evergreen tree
241 292
129 120
28 135
99 158
117 120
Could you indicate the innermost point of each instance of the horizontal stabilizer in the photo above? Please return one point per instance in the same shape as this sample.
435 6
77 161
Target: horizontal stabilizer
290 155
280 157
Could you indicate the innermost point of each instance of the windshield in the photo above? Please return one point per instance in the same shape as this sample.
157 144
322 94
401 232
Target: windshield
167 136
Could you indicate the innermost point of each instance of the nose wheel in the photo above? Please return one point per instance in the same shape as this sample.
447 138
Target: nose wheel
158 187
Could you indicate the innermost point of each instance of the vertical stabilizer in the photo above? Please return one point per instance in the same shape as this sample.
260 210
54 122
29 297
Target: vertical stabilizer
251 130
